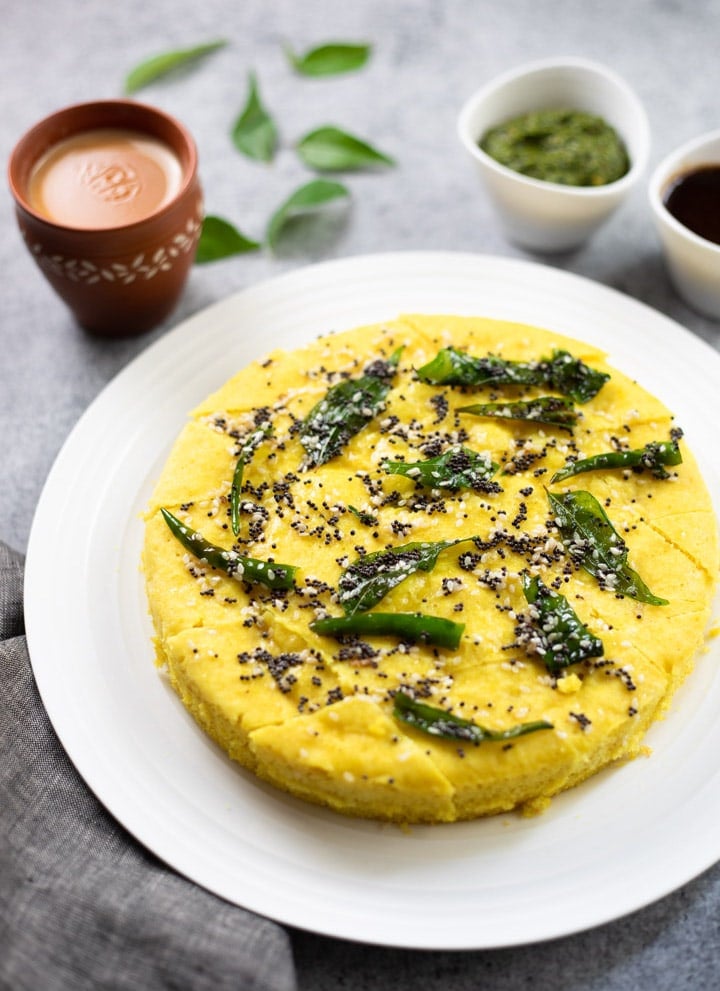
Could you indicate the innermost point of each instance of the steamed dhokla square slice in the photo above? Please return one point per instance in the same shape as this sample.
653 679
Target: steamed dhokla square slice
282 374
494 776
480 336
681 581
182 592
199 467
185 591
678 509
251 684
202 463
599 718
353 757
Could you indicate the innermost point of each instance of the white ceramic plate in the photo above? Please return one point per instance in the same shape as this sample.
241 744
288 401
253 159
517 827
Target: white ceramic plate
618 842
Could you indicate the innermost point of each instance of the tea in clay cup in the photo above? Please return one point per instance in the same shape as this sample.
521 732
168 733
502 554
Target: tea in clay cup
108 202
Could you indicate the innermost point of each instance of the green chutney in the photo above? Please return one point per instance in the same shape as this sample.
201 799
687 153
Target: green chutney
571 147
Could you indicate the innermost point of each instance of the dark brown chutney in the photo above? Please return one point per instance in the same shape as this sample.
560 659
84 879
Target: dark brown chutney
693 198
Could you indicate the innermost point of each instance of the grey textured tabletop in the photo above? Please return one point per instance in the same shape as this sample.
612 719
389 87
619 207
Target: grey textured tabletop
427 58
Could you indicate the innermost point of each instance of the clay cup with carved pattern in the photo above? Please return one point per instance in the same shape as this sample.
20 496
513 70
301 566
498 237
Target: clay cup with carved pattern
109 204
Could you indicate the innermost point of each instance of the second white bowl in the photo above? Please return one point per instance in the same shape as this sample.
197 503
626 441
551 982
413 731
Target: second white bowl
547 216
693 262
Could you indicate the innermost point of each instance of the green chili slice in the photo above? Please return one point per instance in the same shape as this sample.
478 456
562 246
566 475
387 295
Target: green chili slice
439 722
652 457
345 409
549 410
592 542
247 569
247 449
553 630
561 371
457 468
369 579
414 627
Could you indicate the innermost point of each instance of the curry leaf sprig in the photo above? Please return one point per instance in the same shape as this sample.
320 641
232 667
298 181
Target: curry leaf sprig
444 724
247 449
561 371
255 134
457 468
345 409
369 578
552 628
238 566
652 457
412 627
549 410
592 542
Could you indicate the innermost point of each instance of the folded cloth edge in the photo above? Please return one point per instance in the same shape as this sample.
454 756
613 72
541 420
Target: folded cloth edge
82 904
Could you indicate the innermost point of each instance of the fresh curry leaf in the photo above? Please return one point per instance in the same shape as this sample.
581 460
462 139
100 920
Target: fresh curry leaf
369 579
446 725
254 132
328 149
413 627
308 199
553 630
247 569
652 457
592 542
160 65
248 447
457 468
568 375
345 409
550 410
220 239
329 59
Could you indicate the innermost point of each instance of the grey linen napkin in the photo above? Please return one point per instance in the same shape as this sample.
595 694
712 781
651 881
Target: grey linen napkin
82 905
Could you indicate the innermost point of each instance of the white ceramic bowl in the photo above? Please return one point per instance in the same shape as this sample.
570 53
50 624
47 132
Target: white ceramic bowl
693 262
547 216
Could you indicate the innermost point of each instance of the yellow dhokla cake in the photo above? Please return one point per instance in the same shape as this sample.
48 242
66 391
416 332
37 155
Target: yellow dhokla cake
432 569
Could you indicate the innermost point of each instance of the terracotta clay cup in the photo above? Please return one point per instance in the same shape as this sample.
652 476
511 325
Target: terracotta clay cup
124 280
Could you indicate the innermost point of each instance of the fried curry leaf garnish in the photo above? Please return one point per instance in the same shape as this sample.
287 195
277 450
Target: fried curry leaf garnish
562 372
457 468
652 457
439 722
549 410
248 447
592 542
345 409
369 579
412 627
367 519
247 569
553 630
